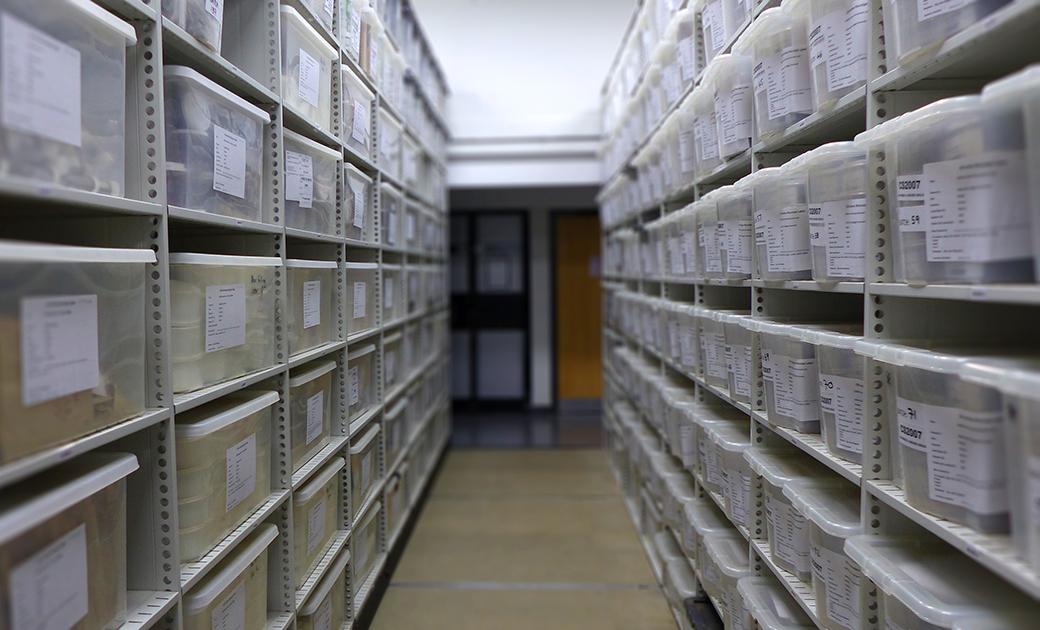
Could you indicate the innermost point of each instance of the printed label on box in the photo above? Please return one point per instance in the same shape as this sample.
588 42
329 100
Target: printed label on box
225 316
927 9
738 364
839 40
355 385
782 81
309 84
315 526
299 178
361 124
844 398
707 136
322 619
686 59
59 346
845 236
229 163
795 388
216 9
790 539
733 109
787 240
230 614
388 292
910 189
366 470
315 416
714 26
329 6
311 303
355 32
48 591
40 83
241 471
913 219
738 493
841 578
360 295
736 239
359 208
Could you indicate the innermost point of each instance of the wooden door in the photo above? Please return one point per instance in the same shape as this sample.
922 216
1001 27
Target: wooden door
579 373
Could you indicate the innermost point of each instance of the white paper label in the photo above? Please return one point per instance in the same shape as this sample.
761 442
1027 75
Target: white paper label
40 84
978 208
359 209
782 80
390 369
686 59
311 303
738 494
409 227
361 125
225 316
714 26
322 618
674 349
355 385
839 40
355 32
329 6
709 236
229 163
59 346
48 591
687 444
315 526
843 397
366 470
388 292
965 454
795 388
927 9
216 9
841 579
707 137
309 84
787 240
845 236
299 178
713 344
733 110
230 614
910 189
360 295
315 416
241 471
1032 483
790 534
738 364
686 339
710 459
736 241
688 249
687 152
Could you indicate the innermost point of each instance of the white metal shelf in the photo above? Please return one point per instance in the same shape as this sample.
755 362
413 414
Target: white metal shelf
810 285
1001 293
799 590
328 558
144 609
369 583
846 118
190 400
74 201
316 353
813 444
201 217
336 445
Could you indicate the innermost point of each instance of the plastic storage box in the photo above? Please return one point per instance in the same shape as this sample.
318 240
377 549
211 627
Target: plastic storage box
390 136
730 440
234 593
63 545
312 295
62 46
727 563
771 606
705 130
713 347
351 31
362 379
709 252
838 34
310 409
410 158
735 228
925 585
739 361
703 519
782 223
359 219
709 462
842 392
222 312
390 212
307 63
201 19
322 10
365 549
371 44
362 308
836 176
395 428
729 78
214 147
72 350
316 517
917 30
223 467
393 361
357 112
364 466
720 20
310 184
326 608
394 298
777 43
410 227
834 516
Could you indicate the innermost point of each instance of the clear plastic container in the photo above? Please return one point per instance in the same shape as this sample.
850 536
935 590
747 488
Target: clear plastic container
362 307
395 428
371 32
689 342
739 362
201 19
925 585
778 45
838 34
771 606
357 112
66 49
364 466
934 152
351 31
390 135
307 64
414 279
204 120
736 228
729 78
709 251
410 227
310 410
703 520
727 563
362 379
63 545
396 498
358 218
786 528
322 10
713 348
782 223
311 297
917 30
326 609
790 377
390 212
222 311
836 176
842 392
833 513
411 155
234 593
710 465
365 547
79 312
720 20
393 361
394 298
223 467
730 440
310 184
316 517
705 131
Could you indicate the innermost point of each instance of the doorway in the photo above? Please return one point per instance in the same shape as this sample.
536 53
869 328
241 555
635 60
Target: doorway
576 280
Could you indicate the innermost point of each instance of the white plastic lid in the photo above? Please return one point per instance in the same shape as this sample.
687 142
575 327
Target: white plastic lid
388 189
189 74
222 412
296 263
1016 87
317 483
373 511
936 583
734 317
767 22
787 331
302 378
292 136
361 265
832 151
730 554
682 580
224 260
26 505
391 267
351 75
230 568
833 507
681 487
353 171
727 64
1016 377
389 117
394 338
366 439
104 18
831 338
360 352
325 586
308 31
771 605
706 518
780 466
729 436
14 251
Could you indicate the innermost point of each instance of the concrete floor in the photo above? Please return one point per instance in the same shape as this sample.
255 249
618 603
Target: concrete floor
512 539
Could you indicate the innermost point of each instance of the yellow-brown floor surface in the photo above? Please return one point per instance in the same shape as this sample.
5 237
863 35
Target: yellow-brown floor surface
524 539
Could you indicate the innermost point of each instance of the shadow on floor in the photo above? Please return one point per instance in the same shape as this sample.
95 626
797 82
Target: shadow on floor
527 429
